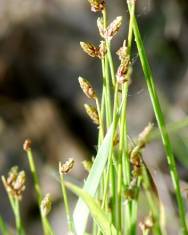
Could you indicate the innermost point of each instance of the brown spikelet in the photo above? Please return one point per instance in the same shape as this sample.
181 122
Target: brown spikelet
113 28
89 49
15 182
97 5
122 52
122 71
46 205
92 113
87 88
102 50
65 168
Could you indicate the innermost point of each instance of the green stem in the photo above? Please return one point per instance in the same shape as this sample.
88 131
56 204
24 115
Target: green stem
18 218
161 123
67 208
35 176
16 210
153 201
36 186
111 64
110 147
123 145
101 127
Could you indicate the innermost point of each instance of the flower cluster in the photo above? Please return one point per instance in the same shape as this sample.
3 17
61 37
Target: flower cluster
15 182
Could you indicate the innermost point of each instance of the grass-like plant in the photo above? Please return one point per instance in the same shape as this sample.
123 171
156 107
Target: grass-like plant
118 174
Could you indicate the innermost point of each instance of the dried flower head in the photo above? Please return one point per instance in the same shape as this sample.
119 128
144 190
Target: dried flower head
122 71
102 50
113 28
92 113
143 136
27 145
123 52
97 5
66 167
46 205
87 88
89 49
15 182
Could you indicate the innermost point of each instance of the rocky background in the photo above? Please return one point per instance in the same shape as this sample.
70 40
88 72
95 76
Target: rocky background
40 60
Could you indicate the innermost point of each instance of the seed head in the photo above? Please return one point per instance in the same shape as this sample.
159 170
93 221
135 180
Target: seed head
46 205
122 52
27 145
92 113
15 182
113 28
97 5
102 50
87 88
66 167
89 49
122 71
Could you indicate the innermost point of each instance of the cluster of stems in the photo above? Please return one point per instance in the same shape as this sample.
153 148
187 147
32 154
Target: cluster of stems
125 172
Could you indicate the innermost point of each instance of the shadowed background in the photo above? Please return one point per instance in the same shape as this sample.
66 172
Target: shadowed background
40 98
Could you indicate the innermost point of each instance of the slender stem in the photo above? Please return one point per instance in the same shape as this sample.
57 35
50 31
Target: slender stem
101 127
48 228
107 81
35 176
123 145
67 208
111 64
18 218
153 201
36 186
111 148
161 123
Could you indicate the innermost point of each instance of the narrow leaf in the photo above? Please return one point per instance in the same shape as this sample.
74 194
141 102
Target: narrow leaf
97 213
92 183
94 177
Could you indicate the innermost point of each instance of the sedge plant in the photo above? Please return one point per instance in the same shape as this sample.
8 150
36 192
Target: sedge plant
118 175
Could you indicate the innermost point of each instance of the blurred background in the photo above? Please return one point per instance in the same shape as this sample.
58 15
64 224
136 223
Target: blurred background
40 98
